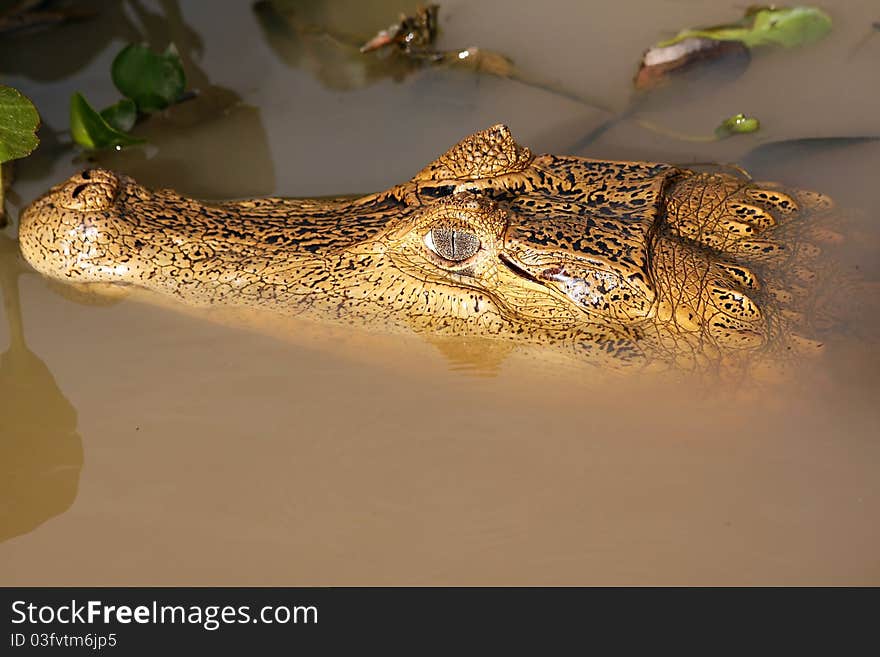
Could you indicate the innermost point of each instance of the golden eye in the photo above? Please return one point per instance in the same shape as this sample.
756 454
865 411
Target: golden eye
451 244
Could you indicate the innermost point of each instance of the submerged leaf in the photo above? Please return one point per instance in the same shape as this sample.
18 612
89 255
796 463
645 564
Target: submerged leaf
122 115
152 80
19 121
737 124
782 26
91 130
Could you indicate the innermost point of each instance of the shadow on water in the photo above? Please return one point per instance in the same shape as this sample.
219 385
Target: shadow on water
97 23
794 151
187 140
185 143
325 40
34 54
189 149
40 450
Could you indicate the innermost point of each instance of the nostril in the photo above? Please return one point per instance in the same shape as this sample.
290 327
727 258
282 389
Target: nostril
89 191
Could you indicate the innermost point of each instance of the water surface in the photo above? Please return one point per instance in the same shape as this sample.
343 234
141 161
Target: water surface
147 446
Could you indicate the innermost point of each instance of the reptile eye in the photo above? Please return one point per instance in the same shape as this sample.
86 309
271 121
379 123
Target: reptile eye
451 244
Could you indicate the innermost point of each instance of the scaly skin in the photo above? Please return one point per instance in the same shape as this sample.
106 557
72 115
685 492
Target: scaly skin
619 262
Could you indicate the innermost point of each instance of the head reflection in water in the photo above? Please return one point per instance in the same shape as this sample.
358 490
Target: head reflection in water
41 453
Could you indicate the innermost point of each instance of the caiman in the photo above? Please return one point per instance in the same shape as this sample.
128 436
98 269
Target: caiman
618 262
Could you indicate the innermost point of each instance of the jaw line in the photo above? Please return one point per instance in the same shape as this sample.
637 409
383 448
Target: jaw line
524 273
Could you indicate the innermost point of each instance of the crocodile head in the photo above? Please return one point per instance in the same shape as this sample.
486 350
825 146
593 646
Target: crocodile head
623 259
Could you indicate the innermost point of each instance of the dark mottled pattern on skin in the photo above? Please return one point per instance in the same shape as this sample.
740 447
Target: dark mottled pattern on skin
618 262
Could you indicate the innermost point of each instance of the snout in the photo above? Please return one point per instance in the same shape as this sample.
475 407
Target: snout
61 231
92 190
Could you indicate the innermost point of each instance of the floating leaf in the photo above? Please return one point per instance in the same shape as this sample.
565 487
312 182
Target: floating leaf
661 61
738 124
761 26
19 121
91 130
122 115
152 80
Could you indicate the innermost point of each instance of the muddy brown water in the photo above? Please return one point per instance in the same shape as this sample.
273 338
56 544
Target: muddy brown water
141 445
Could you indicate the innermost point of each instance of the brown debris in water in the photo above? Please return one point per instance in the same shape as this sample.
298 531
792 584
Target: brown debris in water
414 35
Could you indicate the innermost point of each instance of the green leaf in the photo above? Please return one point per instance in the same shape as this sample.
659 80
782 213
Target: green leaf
761 26
122 115
152 80
91 130
738 124
19 121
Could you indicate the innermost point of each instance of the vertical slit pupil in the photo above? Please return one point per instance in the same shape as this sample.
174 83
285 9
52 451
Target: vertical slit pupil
454 245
